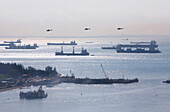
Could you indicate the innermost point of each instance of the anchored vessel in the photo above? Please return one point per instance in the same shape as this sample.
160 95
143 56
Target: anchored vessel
82 53
138 47
18 41
13 46
71 43
34 94
106 80
113 47
166 81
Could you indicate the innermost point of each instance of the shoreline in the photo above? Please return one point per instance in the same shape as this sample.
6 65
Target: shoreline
6 89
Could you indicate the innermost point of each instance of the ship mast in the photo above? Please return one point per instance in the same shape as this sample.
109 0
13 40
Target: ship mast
104 71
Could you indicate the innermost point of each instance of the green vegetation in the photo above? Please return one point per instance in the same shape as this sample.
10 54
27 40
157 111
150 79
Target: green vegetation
14 70
2 77
15 75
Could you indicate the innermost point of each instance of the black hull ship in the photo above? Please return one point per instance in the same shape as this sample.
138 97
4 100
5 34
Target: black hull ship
166 81
106 80
34 94
138 47
71 43
71 79
13 46
82 53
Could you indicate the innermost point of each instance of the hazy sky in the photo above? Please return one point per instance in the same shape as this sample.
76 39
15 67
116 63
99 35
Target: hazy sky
70 17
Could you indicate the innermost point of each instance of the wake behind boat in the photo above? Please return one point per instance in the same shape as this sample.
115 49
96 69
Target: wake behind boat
71 43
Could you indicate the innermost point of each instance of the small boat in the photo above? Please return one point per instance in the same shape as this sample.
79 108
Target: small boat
34 94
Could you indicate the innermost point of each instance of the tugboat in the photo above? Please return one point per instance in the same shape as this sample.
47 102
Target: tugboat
34 95
13 46
71 43
83 53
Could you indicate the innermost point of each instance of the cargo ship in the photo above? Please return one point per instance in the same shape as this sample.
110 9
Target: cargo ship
138 47
82 53
13 46
71 43
113 47
106 80
18 41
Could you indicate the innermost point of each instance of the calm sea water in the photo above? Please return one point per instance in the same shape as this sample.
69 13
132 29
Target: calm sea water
150 94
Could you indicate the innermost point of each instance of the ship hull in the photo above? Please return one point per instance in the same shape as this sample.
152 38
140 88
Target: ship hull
109 48
21 48
60 44
31 95
71 54
98 81
121 51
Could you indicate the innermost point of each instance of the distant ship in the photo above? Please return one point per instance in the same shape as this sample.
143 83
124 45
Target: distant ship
166 81
89 42
34 94
7 43
18 41
82 53
71 43
138 47
13 46
113 47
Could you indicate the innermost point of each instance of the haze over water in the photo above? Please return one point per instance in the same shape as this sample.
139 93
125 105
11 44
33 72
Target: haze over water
149 94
